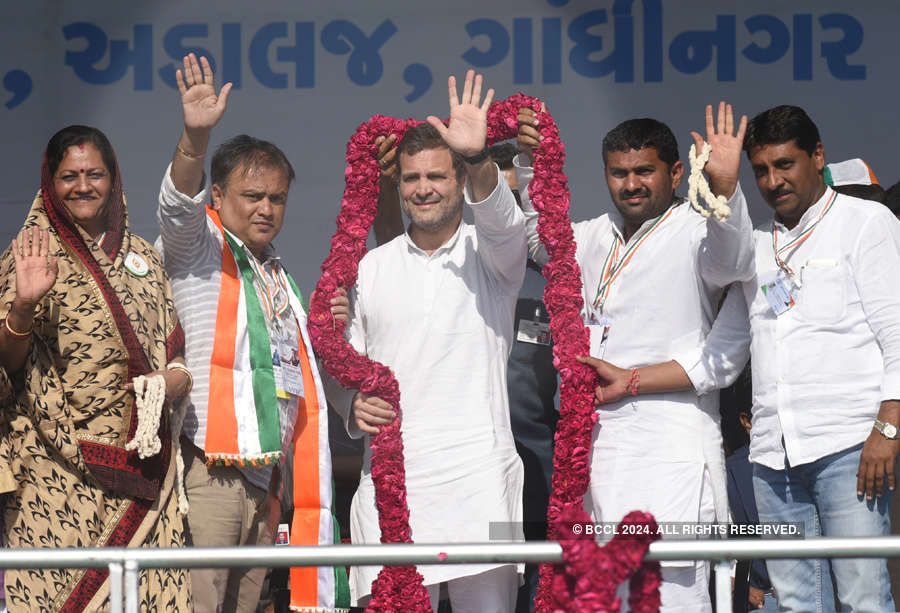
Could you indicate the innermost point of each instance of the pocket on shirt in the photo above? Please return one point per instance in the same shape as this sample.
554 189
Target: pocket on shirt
823 296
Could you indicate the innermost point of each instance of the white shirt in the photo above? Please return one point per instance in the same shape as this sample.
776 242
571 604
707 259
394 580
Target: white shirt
443 323
822 368
650 452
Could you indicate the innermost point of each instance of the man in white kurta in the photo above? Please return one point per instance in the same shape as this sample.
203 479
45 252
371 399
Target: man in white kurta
662 452
822 319
436 304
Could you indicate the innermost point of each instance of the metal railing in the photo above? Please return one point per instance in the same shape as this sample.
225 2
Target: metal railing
124 564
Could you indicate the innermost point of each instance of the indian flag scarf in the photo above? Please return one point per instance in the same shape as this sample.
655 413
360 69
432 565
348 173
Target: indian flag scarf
242 390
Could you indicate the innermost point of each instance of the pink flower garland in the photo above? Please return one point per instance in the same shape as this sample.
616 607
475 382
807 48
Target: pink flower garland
397 588
589 576
592 573
575 587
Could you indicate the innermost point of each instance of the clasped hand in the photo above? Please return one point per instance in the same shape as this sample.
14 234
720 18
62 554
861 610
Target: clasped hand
371 412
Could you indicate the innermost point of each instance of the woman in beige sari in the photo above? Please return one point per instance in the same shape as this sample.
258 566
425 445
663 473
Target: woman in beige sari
86 309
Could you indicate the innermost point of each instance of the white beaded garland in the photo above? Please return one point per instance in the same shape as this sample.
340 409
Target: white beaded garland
697 184
176 416
150 395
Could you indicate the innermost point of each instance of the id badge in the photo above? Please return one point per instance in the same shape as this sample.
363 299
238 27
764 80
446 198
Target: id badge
779 294
599 333
283 536
287 371
534 332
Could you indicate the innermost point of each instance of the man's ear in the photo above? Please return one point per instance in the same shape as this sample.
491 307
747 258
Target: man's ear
818 156
216 196
677 173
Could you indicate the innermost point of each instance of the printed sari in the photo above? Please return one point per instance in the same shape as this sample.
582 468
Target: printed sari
108 318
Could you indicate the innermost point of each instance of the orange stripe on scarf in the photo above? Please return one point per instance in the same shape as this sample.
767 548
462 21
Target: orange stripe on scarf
307 503
221 423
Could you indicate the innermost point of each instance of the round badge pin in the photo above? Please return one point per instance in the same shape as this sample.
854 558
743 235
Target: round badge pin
136 265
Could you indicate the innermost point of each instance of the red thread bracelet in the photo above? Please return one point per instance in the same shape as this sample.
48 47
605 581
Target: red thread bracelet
634 382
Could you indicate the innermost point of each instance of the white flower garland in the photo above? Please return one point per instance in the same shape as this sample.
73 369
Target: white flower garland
150 395
177 420
697 184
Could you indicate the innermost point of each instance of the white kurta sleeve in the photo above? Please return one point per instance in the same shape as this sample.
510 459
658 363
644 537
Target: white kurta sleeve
726 251
500 228
524 175
875 260
719 361
339 397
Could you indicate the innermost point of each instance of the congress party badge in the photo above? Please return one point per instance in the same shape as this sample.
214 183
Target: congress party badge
136 265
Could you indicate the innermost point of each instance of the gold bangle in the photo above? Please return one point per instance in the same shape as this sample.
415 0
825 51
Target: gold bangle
16 333
193 156
184 369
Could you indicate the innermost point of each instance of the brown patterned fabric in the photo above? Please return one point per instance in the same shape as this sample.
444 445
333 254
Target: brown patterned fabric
63 438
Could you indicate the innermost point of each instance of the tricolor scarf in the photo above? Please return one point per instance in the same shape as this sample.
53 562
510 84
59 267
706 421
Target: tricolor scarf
242 391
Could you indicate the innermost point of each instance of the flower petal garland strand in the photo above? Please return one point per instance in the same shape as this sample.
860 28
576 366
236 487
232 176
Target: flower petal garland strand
397 588
573 586
592 573
588 579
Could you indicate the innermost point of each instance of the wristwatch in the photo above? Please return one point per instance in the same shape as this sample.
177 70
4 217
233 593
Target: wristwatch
478 158
889 431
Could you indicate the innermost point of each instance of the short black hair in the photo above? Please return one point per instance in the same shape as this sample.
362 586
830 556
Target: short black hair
243 151
642 133
858 190
503 154
782 124
425 136
79 135
892 198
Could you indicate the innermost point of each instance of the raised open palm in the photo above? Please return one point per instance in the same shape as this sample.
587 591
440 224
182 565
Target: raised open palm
35 270
724 162
467 132
202 107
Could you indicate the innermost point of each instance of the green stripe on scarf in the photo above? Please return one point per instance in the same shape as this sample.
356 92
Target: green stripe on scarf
265 394
296 291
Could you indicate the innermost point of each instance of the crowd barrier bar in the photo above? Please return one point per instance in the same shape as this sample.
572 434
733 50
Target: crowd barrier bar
126 562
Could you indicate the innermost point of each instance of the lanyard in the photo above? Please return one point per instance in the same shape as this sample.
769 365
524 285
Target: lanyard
274 287
613 266
275 292
792 246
